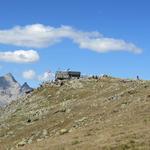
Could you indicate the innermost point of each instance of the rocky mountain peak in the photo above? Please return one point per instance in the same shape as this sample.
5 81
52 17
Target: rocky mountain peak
25 87
9 77
10 89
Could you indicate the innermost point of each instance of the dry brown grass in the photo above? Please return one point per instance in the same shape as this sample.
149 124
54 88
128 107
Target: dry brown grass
107 114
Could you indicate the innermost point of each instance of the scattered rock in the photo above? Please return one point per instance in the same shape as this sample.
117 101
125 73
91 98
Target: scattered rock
45 132
60 110
22 143
132 92
82 119
63 131
30 141
68 110
123 106
10 133
49 96
80 122
39 140
115 97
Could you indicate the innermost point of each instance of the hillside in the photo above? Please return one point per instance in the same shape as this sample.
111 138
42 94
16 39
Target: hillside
85 114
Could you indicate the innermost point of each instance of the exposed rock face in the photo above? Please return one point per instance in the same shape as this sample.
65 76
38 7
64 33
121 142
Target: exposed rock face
10 89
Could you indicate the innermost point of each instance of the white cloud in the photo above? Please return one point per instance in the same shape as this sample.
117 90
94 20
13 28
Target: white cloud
38 35
32 75
29 74
19 56
46 76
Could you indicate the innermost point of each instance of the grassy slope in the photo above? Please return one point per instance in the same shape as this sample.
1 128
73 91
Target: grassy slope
105 113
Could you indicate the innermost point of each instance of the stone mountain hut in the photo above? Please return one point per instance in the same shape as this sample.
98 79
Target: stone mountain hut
66 75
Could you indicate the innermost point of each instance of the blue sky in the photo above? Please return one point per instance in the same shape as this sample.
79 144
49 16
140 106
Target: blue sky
113 20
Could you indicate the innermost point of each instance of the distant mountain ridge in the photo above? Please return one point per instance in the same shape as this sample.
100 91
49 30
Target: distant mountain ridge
10 89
